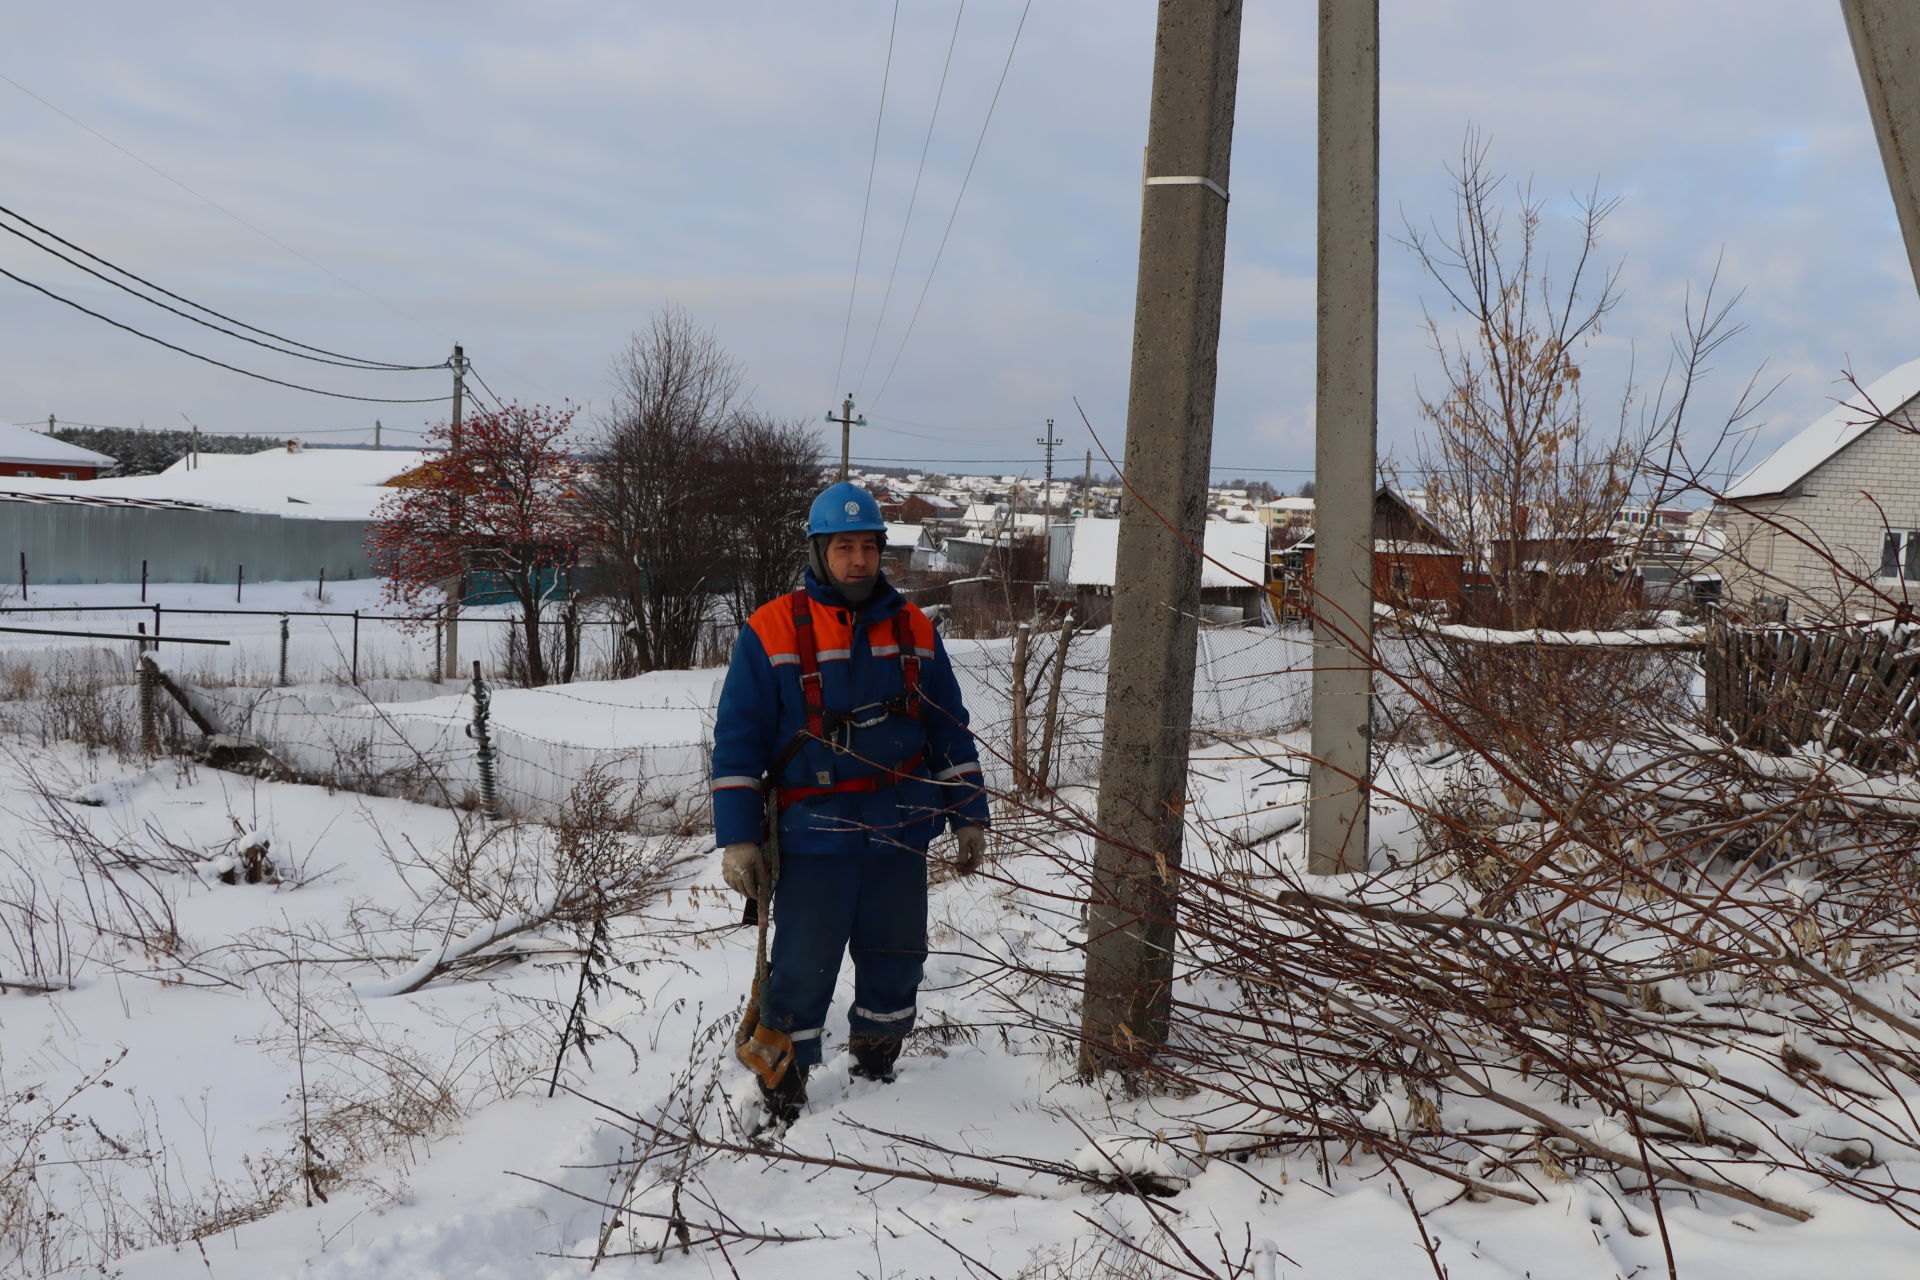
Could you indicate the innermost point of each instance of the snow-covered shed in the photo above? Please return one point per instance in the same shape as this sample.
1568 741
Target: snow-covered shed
283 513
1084 562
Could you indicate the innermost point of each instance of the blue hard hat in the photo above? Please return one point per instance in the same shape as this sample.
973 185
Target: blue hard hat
844 508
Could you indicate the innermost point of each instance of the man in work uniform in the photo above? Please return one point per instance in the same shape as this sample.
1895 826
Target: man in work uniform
840 698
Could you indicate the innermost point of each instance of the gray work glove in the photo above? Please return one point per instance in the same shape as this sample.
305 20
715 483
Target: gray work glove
743 869
971 850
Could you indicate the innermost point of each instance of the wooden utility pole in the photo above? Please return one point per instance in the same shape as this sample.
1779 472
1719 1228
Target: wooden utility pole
1886 48
1176 332
847 423
451 669
1346 372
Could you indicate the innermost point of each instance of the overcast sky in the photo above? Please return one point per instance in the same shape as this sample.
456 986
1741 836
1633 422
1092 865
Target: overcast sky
534 179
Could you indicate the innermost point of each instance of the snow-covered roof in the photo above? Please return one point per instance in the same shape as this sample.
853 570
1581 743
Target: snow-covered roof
904 535
340 484
18 444
1829 434
1241 550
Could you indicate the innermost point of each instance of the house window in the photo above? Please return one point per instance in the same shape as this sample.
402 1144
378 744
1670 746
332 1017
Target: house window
1900 555
68 475
23 472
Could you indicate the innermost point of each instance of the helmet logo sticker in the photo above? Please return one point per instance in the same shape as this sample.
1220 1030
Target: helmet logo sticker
853 508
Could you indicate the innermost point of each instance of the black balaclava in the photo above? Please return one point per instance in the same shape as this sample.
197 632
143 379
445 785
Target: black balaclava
855 594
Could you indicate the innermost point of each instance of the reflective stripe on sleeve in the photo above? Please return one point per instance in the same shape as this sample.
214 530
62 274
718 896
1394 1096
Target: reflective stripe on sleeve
956 771
811 1033
722 783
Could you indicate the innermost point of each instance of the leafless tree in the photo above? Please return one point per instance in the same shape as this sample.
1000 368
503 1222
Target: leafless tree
773 470
1517 471
652 497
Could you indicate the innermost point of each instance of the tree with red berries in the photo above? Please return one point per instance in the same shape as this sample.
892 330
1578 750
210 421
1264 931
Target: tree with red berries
495 496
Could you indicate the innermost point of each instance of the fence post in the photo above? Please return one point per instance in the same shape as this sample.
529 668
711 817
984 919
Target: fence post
320 591
438 668
143 582
283 651
482 700
353 671
23 575
156 626
149 709
1022 778
239 583
1050 718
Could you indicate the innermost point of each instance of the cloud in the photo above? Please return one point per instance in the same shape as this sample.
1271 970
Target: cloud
533 179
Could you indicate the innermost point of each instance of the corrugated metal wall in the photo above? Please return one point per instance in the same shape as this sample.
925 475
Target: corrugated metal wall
66 544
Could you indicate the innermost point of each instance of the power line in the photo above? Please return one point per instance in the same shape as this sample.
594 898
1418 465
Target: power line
912 198
978 143
347 362
210 201
263 435
873 161
221 364
498 403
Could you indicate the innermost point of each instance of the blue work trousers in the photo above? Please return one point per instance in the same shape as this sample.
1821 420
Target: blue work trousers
873 904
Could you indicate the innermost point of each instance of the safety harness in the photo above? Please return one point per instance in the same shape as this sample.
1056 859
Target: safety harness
823 724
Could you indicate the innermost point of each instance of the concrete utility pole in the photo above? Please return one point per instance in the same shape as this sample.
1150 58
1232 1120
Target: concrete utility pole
847 423
1886 48
1176 332
376 433
1049 443
452 668
1346 373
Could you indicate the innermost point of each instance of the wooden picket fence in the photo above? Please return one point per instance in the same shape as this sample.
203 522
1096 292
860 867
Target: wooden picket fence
1856 689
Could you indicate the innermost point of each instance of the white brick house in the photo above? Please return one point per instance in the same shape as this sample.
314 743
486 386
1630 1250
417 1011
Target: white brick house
1829 523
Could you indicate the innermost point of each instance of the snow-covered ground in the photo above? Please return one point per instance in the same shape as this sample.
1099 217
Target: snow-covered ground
201 1078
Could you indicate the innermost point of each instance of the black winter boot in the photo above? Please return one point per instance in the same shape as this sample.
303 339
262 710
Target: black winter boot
784 1100
874 1056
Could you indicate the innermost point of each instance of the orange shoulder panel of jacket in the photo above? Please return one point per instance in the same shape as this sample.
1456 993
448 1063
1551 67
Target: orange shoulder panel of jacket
773 623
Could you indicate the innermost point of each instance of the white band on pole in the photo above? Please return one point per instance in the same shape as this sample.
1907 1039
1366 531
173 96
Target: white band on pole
1208 183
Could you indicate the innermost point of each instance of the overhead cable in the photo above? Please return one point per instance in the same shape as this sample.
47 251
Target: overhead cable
221 364
873 160
346 362
978 143
209 200
912 199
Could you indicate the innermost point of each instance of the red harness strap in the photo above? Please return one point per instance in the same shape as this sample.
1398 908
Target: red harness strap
909 662
812 692
790 796
810 685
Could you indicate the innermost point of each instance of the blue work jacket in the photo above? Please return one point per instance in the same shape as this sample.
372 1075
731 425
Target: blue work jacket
870 733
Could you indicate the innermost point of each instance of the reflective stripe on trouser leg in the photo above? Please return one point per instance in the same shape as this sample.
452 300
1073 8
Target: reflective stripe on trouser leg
888 943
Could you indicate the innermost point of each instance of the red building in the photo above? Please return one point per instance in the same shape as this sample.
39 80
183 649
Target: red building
29 453
1414 564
